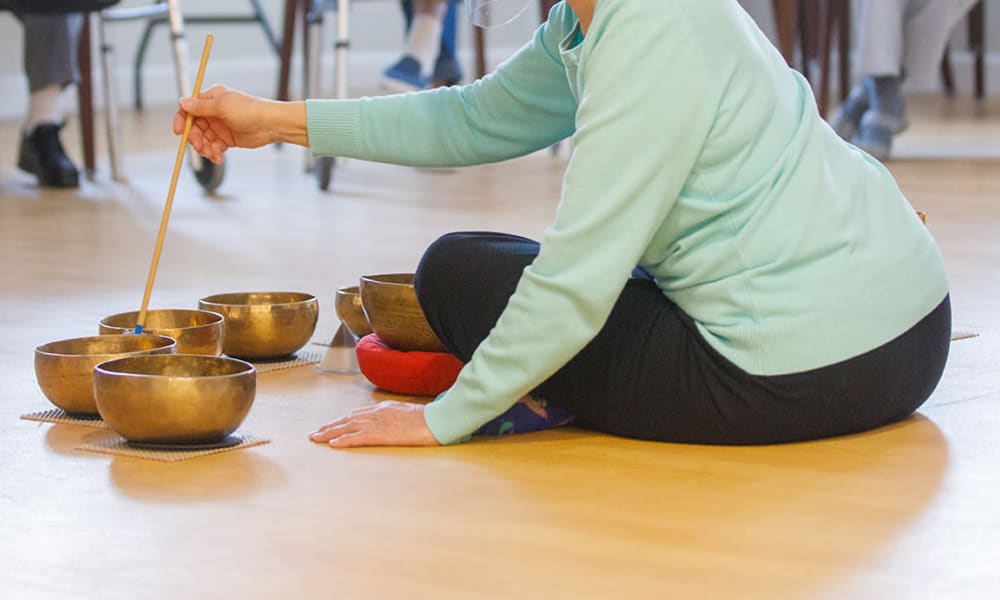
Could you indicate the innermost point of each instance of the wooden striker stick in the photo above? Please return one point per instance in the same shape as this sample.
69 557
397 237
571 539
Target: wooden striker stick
173 187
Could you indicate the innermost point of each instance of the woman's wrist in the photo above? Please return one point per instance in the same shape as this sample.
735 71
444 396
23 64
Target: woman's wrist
287 122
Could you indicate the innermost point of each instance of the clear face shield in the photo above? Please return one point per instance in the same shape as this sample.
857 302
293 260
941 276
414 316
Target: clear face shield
494 13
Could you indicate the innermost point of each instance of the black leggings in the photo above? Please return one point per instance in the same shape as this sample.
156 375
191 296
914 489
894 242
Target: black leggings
650 375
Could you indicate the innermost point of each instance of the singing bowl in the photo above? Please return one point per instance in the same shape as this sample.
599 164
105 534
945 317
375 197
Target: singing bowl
196 331
174 399
347 303
262 325
65 369
390 305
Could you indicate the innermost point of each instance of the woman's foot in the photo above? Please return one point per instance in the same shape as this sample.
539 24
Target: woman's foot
528 414
42 154
447 71
885 117
847 119
404 76
876 133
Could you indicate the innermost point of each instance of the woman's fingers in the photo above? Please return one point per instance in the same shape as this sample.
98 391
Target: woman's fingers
330 433
356 439
384 424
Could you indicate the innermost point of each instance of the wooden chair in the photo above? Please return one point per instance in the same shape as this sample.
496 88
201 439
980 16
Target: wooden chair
977 44
809 26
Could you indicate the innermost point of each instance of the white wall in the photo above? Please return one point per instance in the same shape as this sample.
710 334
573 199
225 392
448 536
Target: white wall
242 58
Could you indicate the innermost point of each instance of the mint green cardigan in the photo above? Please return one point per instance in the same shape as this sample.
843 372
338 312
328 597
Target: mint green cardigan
698 155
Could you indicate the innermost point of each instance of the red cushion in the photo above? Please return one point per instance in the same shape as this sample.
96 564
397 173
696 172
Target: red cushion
412 373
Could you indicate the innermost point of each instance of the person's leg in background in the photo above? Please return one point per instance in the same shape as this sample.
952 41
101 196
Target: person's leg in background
429 51
898 40
876 105
50 46
447 71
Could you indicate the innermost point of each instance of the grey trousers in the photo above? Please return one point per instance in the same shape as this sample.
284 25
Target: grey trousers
50 44
906 36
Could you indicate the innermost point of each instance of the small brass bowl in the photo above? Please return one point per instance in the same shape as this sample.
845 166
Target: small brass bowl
196 331
183 399
390 305
347 302
65 369
264 325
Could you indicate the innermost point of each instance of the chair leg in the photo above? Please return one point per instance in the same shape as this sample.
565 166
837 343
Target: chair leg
827 16
287 46
85 96
977 36
480 43
844 48
947 75
786 17
810 34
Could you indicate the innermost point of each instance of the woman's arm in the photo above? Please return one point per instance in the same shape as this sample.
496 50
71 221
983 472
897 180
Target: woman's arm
225 118
525 105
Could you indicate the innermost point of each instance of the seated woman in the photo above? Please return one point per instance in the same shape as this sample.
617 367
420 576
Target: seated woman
721 268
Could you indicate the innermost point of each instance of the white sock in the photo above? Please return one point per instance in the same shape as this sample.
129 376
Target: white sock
424 41
43 107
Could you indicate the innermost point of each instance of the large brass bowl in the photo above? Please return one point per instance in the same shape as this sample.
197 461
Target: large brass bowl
183 399
390 304
347 303
264 325
65 369
196 331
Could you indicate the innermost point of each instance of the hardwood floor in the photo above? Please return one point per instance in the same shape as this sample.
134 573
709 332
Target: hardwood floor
909 511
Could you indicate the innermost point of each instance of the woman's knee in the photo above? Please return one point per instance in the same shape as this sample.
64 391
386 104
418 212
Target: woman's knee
463 257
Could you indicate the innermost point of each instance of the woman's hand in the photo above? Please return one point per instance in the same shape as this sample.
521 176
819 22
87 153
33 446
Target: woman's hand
387 423
225 118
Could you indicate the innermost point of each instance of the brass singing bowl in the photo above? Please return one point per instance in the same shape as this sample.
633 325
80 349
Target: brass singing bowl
390 305
65 369
264 325
196 331
347 303
174 399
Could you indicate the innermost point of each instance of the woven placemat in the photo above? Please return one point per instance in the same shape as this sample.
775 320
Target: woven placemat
119 447
302 358
58 415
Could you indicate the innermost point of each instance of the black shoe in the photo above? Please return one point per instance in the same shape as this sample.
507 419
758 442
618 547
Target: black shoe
42 155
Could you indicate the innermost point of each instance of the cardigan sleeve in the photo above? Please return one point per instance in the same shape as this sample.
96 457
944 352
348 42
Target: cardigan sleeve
523 106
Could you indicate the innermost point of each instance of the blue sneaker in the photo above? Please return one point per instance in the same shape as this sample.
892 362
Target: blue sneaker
877 131
447 71
848 117
404 76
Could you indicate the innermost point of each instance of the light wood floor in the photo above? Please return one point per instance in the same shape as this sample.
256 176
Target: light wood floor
910 511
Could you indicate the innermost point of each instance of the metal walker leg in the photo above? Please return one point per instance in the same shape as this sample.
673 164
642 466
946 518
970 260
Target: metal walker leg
209 175
323 166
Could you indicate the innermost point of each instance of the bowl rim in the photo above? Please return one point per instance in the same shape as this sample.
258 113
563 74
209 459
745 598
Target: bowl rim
102 367
218 318
39 350
374 279
211 299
